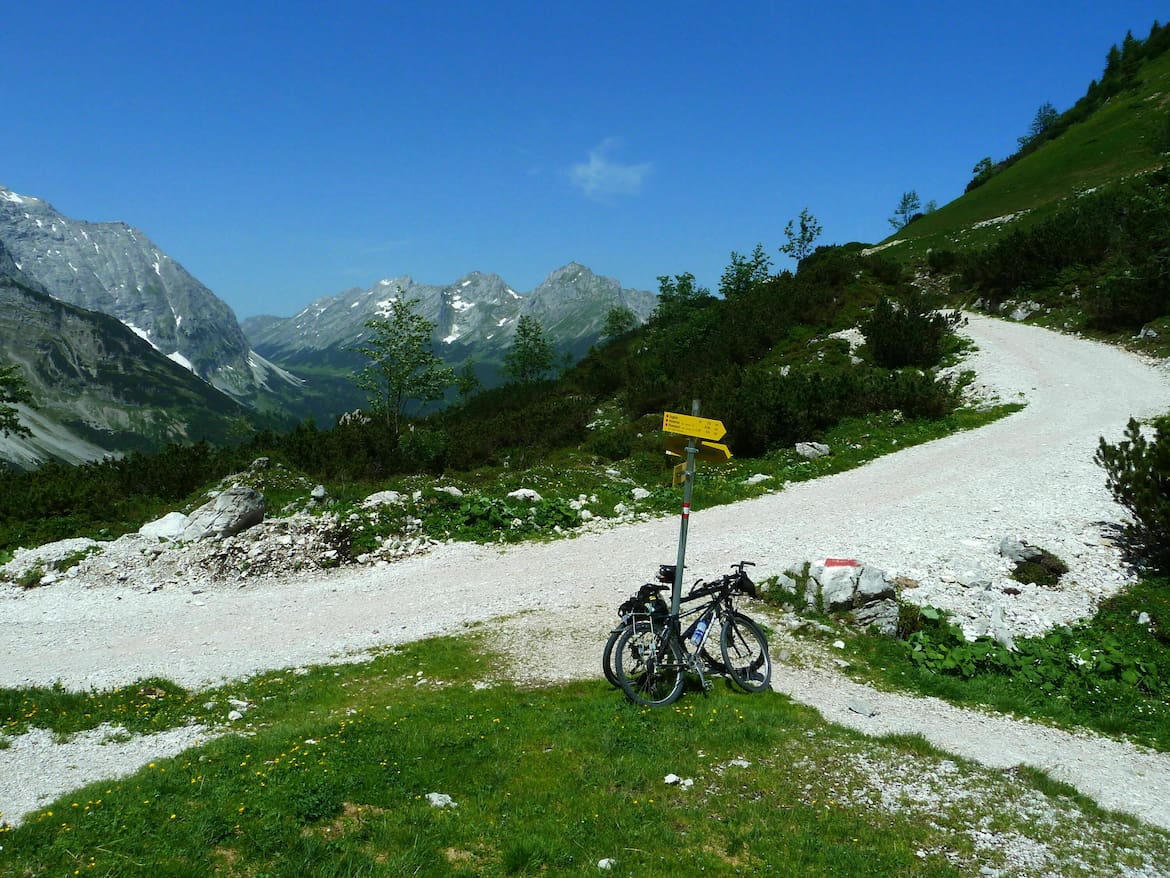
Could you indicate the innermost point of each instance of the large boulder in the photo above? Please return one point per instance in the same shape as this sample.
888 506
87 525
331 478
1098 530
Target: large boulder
863 594
235 510
812 450
170 527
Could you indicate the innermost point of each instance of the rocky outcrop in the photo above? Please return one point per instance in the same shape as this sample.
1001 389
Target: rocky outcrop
863 595
114 269
235 510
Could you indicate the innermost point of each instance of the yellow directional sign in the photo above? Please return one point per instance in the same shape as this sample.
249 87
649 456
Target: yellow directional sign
689 425
706 450
713 451
680 474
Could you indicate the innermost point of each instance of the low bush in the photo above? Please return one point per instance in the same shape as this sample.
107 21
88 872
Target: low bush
1046 569
1138 474
907 331
942 261
1064 660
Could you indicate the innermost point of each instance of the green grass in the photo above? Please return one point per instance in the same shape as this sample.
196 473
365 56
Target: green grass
1117 684
146 706
333 777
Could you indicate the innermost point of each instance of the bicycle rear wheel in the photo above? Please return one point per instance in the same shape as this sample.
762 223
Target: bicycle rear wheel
648 666
745 652
607 656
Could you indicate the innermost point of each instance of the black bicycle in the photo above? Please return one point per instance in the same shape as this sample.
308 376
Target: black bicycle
650 601
649 654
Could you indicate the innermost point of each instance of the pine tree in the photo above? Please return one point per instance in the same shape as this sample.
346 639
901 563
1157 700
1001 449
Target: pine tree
531 356
906 210
13 390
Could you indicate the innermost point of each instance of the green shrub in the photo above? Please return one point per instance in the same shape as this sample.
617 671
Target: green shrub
1043 570
31 578
612 444
942 261
1131 295
424 449
1138 474
907 331
1065 659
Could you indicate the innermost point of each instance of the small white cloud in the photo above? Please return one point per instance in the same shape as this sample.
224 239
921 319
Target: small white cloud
601 177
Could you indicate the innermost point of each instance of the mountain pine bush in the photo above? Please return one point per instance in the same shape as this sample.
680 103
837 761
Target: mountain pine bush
907 332
1138 473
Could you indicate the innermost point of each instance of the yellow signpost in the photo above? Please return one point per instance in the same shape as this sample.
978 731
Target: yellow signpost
689 425
704 450
700 444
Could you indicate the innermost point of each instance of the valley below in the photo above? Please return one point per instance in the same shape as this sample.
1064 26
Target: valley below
928 514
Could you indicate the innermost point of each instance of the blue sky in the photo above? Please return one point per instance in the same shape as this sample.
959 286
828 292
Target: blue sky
287 151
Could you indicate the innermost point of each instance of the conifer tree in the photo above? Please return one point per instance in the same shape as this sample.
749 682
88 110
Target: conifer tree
531 356
13 390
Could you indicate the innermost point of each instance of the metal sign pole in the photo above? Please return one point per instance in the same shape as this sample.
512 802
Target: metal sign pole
688 491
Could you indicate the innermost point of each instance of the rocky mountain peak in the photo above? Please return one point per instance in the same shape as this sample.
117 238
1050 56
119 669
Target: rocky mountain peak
114 269
569 273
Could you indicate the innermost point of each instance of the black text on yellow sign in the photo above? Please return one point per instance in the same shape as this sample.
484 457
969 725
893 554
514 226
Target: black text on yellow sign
689 425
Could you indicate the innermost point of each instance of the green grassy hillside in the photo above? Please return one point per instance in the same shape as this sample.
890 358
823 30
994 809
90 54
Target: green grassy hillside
1098 143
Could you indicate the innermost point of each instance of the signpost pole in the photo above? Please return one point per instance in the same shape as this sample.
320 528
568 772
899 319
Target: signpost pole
688 490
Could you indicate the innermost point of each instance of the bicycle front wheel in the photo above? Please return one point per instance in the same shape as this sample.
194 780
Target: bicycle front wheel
745 652
648 666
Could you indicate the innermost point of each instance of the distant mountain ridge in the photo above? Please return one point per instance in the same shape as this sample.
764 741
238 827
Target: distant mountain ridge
125 350
475 315
475 321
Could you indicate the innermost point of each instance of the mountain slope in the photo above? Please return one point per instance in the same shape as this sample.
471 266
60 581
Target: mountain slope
98 388
1098 142
114 269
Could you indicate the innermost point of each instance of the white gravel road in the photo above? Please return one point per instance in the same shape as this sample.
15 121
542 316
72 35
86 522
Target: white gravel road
925 513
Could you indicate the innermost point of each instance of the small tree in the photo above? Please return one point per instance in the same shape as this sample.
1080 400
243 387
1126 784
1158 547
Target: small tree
744 272
619 321
1138 475
403 367
531 356
467 383
907 208
676 295
1044 119
983 171
800 240
13 390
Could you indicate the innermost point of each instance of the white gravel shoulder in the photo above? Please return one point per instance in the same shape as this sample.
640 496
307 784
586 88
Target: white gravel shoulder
927 513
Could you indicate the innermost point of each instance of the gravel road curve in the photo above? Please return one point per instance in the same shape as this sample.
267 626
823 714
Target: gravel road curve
924 513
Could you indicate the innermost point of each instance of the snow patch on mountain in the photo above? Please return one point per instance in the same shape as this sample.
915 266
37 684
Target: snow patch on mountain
141 333
176 357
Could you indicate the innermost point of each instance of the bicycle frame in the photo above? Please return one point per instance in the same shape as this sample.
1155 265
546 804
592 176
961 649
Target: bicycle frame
719 606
